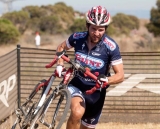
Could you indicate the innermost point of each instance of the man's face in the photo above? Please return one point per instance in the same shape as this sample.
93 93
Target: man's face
96 33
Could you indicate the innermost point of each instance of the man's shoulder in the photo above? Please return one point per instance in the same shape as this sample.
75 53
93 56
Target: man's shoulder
106 37
109 43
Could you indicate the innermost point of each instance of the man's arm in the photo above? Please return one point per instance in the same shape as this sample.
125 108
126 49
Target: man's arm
61 47
118 76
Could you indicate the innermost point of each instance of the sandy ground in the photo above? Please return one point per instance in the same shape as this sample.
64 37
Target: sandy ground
110 125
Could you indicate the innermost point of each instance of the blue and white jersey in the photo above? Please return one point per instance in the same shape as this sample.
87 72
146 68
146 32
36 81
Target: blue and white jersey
105 53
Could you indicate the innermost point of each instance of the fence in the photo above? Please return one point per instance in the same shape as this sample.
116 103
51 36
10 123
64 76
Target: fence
137 99
8 83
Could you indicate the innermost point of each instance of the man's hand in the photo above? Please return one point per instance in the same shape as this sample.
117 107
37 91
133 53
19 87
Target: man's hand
59 70
102 81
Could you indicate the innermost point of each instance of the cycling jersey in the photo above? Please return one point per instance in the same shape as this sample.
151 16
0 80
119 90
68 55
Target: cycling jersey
98 59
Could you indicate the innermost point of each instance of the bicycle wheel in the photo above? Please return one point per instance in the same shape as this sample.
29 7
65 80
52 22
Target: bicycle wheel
54 111
24 114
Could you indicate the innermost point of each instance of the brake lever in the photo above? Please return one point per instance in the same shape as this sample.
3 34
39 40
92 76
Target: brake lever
59 54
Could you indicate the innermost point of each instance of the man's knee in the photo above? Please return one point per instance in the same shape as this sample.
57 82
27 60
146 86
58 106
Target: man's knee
77 113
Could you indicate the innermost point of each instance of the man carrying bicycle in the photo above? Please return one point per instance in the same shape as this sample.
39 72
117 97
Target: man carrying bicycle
97 51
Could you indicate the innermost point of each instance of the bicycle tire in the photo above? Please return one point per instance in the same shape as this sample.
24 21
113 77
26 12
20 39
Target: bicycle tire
44 109
28 107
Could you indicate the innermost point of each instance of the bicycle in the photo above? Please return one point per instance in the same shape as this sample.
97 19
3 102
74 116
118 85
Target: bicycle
30 111
60 90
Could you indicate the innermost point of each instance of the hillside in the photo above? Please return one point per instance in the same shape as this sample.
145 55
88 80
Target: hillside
137 40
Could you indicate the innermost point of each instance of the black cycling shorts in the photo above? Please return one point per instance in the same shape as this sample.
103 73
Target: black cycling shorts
94 104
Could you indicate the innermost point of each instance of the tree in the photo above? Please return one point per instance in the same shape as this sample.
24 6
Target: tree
8 32
35 11
123 24
18 18
60 17
64 13
136 23
78 25
50 24
154 25
111 30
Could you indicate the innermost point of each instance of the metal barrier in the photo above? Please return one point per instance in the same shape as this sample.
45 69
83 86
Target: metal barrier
137 99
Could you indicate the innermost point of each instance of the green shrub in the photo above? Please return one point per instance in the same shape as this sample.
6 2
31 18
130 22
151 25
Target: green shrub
50 24
8 32
125 23
111 30
154 25
35 11
64 12
153 28
18 18
34 24
135 20
78 25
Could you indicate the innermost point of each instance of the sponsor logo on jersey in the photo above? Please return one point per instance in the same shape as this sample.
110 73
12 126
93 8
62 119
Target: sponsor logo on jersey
79 35
95 54
110 44
93 63
83 46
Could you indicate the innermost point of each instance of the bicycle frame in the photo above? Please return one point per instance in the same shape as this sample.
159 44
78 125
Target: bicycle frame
44 94
66 74
49 82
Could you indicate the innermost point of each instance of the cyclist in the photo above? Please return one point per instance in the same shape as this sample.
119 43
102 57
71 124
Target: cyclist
97 51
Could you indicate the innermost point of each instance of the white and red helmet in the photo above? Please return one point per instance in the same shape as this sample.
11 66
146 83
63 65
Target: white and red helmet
99 16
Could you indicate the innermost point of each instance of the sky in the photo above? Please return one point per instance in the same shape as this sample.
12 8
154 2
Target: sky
139 8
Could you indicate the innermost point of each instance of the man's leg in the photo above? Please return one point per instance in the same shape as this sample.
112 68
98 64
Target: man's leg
77 111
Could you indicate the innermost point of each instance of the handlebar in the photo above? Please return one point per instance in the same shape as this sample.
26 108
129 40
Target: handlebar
86 71
52 63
